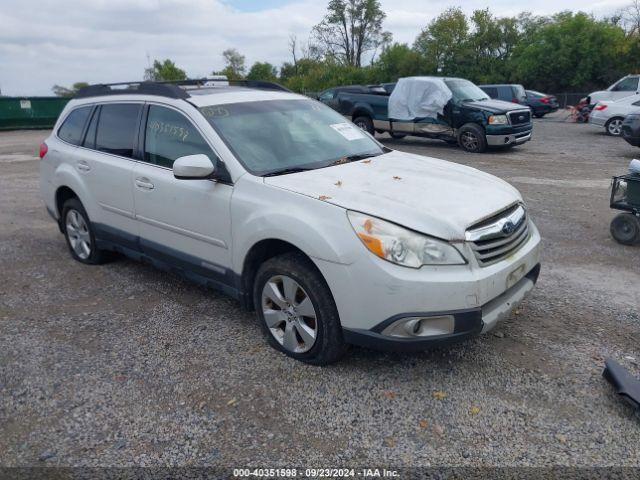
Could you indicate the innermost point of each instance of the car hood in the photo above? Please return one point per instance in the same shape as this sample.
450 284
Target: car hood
495 106
425 194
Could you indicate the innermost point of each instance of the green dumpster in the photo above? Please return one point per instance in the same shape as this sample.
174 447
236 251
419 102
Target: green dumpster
30 112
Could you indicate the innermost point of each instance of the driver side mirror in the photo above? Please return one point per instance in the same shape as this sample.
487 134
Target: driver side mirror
193 167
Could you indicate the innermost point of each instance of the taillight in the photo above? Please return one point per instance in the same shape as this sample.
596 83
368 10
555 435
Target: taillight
545 99
43 150
600 107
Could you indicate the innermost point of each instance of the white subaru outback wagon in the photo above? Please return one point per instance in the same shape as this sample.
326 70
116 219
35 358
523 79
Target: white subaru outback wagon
278 201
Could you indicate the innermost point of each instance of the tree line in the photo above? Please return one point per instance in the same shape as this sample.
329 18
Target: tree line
565 52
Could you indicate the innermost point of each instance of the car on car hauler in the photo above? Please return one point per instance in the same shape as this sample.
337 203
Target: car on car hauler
276 200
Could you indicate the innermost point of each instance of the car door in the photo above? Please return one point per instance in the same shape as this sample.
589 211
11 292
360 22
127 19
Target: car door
625 87
105 161
184 222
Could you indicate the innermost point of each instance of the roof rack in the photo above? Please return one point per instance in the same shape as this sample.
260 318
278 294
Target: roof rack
172 89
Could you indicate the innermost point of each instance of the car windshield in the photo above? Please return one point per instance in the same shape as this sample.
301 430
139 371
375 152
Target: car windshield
465 91
275 136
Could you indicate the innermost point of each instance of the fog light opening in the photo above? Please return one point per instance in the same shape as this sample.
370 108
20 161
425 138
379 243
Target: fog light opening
412 327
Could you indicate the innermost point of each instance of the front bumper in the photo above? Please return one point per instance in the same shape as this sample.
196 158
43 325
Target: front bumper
509 139
368 291
467 323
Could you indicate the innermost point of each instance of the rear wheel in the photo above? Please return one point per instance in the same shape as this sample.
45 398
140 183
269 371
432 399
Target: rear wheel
297 311
365 123
472 138
625 228
614 126
79 234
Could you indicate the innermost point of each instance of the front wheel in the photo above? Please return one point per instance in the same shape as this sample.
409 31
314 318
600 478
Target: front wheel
539 115
471 138
365 123
625 228
614 127
296 309
398 136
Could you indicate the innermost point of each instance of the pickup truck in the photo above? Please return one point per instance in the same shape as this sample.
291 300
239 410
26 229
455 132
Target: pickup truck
470 118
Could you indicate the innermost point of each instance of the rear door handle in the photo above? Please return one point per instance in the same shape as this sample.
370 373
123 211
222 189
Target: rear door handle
144 183
83 166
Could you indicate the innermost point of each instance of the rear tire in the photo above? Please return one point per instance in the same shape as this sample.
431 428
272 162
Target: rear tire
613 126
625 229
471 138
78 232
365 123
290 291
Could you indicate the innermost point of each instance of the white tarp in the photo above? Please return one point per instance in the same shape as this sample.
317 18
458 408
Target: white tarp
418 97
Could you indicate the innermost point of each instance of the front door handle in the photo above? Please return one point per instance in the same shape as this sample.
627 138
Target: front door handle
83 166
144 183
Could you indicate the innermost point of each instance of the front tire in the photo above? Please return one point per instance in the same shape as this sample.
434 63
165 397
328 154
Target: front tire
613 126
365 123
625 228
398 136
79 235
539 115
471 138
296 310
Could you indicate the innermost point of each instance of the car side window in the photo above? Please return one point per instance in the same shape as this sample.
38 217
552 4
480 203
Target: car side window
73 126
169 135
117 128
328 95
636 103
491 91
90 137
627 85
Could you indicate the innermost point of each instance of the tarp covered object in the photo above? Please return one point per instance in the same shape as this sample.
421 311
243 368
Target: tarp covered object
418 97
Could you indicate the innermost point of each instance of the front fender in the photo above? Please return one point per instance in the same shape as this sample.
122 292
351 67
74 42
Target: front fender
321 230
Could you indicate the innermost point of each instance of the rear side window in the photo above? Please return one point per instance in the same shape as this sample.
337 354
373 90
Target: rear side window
73 126
491 91
90 137
629 84
169 135
117 128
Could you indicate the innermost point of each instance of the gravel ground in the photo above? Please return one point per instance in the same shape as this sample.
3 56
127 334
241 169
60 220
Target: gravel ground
123 365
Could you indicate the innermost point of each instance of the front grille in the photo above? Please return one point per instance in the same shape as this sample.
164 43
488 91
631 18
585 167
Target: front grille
520 117
499 236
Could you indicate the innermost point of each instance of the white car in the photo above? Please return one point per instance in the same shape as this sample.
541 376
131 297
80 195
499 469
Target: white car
276 200
622 88
610 115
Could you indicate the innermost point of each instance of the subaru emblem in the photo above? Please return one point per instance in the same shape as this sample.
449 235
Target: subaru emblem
508 228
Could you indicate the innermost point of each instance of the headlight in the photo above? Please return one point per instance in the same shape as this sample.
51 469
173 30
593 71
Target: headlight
400 245
497 119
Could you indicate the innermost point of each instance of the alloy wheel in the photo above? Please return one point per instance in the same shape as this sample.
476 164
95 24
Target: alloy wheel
289 314
469 141
78 234
615 127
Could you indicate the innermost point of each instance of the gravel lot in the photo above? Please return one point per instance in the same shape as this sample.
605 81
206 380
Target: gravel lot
123 365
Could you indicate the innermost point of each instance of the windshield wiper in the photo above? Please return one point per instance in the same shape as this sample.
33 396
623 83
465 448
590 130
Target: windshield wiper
353 158
286 171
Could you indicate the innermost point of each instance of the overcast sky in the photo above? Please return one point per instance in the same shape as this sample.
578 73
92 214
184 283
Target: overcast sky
47 42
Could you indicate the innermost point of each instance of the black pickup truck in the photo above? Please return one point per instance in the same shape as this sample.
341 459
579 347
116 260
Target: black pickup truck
470 118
